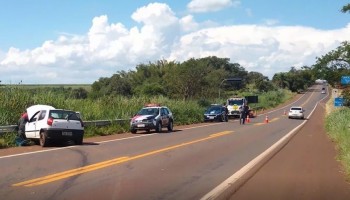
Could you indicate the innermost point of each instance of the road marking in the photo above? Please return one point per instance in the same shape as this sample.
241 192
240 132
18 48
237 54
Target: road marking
100 165
272 120
308 99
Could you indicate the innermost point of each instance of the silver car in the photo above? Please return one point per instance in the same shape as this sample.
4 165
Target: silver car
296 112
152 116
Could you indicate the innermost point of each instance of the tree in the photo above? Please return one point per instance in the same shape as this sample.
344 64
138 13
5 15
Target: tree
280 80
346 8
79 93
334 64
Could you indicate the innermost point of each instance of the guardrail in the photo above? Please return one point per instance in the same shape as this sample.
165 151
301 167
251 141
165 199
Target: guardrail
97 123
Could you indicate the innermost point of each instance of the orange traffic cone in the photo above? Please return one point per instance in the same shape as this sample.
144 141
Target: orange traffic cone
248 120
266 119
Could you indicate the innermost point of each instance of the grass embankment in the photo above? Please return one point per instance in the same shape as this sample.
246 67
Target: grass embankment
337 126
13 101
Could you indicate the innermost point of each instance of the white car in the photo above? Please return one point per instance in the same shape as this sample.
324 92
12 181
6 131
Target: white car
47 123
296 112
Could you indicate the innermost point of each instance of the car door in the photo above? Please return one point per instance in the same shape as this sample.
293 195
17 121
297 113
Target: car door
164 116
31 131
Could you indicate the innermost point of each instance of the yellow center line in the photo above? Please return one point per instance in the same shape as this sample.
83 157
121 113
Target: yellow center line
308 99
261 123
96 166
274 119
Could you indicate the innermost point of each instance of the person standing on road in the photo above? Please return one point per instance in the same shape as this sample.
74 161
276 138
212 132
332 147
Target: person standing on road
21 136
244 113
226 112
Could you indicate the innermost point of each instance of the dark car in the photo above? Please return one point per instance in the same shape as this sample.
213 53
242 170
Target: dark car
216 113
152 116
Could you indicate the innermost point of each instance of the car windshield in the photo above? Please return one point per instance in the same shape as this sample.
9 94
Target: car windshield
295 109
149 111
235 102
213 110
63 114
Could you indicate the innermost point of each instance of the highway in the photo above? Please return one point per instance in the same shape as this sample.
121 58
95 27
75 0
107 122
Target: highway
185 164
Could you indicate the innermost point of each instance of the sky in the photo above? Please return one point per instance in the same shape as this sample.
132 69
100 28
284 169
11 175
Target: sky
80 41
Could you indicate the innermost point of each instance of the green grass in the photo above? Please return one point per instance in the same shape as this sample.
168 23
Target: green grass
36 86
337 126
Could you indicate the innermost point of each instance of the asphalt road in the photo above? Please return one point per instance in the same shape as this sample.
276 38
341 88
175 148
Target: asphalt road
306 168
185 164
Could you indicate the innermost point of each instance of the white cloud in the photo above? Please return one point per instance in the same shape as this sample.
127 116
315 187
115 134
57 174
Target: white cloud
261 48
198 6
110 47
188 24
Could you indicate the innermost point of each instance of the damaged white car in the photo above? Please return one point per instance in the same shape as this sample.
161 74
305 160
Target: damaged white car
47 124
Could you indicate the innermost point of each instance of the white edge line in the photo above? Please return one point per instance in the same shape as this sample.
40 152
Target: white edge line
227 188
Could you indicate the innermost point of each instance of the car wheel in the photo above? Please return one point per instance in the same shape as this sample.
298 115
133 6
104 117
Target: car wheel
133 131
222 118
170 126
159 127
43 140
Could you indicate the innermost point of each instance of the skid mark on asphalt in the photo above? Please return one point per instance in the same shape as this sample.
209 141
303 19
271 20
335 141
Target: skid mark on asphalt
100 165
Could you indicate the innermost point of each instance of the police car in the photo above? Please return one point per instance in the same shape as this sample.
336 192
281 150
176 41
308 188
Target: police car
152 116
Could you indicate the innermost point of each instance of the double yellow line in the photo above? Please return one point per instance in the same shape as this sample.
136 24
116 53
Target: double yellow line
100 165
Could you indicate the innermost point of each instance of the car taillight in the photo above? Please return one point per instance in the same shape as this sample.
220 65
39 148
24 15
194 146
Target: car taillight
50 121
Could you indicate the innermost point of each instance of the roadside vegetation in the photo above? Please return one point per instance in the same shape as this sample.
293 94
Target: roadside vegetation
338 129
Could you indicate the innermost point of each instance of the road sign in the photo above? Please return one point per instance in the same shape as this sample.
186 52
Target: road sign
345 80
338 102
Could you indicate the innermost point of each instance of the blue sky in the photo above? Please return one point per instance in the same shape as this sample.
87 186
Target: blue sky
97 38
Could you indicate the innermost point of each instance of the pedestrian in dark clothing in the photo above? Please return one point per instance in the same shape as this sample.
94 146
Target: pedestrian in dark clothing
244 113
21 136
226 112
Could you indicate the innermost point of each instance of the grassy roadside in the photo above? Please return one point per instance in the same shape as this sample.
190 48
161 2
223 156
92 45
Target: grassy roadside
338 129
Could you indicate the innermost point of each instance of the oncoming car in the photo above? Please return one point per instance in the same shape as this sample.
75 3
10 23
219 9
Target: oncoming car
152 116
47 124
215 113
296 112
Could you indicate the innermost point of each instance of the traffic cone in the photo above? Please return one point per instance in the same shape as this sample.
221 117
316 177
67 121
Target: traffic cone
266 119
248 120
